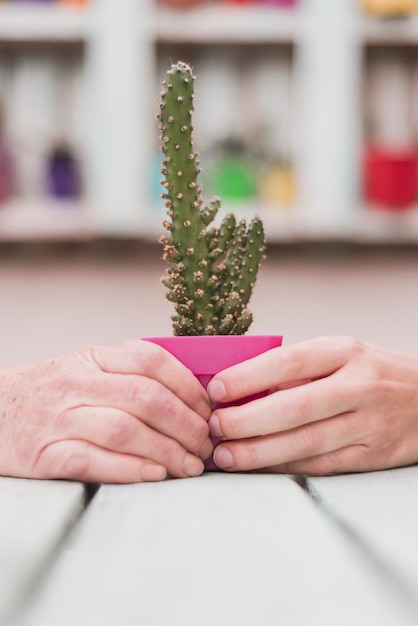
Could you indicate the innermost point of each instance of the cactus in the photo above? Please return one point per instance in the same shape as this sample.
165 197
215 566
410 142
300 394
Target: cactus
211 269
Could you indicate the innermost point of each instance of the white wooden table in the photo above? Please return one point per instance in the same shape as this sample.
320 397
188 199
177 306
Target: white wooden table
218 550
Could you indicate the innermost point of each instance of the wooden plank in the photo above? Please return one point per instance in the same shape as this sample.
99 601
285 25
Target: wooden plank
381 510
244 550
34 518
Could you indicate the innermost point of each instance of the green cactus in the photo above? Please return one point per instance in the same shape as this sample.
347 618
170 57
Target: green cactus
211 271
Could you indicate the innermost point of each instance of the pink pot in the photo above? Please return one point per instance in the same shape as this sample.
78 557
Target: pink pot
205 356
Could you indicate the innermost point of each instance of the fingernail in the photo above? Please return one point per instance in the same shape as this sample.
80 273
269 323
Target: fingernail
215 427
206 450
192 466
216 390
223 457
151 472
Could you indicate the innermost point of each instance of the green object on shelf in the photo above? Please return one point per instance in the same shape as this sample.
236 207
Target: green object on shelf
211 270
234 179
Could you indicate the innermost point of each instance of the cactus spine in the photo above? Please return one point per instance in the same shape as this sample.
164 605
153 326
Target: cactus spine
211 271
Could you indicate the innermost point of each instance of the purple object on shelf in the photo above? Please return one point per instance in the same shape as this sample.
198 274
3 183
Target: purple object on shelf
63 174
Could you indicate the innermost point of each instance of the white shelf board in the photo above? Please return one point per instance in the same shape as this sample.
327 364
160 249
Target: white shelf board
49 220
25 22
289 224
390 31
224 24
45 219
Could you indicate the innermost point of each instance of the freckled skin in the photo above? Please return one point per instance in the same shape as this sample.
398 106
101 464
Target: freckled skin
122 413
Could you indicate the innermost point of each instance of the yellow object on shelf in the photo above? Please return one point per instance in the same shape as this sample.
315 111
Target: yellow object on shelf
277 185
389 8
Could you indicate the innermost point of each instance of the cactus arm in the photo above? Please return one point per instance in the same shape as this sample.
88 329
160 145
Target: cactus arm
250 260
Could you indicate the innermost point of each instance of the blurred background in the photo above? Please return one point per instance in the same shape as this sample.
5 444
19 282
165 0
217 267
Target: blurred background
306 114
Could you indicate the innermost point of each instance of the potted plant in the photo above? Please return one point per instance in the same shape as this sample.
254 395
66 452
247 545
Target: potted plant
391 177
211 270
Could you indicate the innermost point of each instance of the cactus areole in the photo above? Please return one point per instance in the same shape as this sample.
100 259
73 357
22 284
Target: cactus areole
211 269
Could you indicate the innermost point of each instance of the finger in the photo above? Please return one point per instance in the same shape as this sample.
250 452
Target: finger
80 460
280 366
153 404
294 445
148 359
118 431
355 458
283 410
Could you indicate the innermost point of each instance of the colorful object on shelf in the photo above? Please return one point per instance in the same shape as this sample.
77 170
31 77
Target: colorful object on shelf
182 4
277 184
389 8
234 179
391 177
7 174
280 3
77 3
64 181
240 2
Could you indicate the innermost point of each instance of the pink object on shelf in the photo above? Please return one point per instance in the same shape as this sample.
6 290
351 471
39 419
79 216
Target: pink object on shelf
279 3
205 356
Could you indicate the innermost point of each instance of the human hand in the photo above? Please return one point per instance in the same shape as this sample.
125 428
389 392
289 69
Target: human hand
124 413
335 405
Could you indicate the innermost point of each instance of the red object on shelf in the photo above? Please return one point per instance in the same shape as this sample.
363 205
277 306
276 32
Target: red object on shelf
182 4
279 3
240 2
391 177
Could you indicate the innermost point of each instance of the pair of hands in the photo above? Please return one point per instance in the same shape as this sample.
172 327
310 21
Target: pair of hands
132 412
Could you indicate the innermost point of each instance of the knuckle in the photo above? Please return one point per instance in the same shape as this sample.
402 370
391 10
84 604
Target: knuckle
306 442
145 392
296 361
230 424
323 465
76 465
198 432
351 346
150 358
120 431
246 456
374 388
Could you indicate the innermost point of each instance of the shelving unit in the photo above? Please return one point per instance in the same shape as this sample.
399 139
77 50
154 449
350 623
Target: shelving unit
121 43
42 23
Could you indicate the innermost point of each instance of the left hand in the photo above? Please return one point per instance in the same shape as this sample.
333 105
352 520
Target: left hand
335 405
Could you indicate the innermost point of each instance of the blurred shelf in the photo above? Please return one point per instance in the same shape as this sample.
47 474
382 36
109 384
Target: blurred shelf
236 25
390 31
48 220
288 224
42 23
45 219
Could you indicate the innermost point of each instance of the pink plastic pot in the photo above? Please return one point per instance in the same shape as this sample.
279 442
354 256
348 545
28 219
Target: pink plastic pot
205 356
